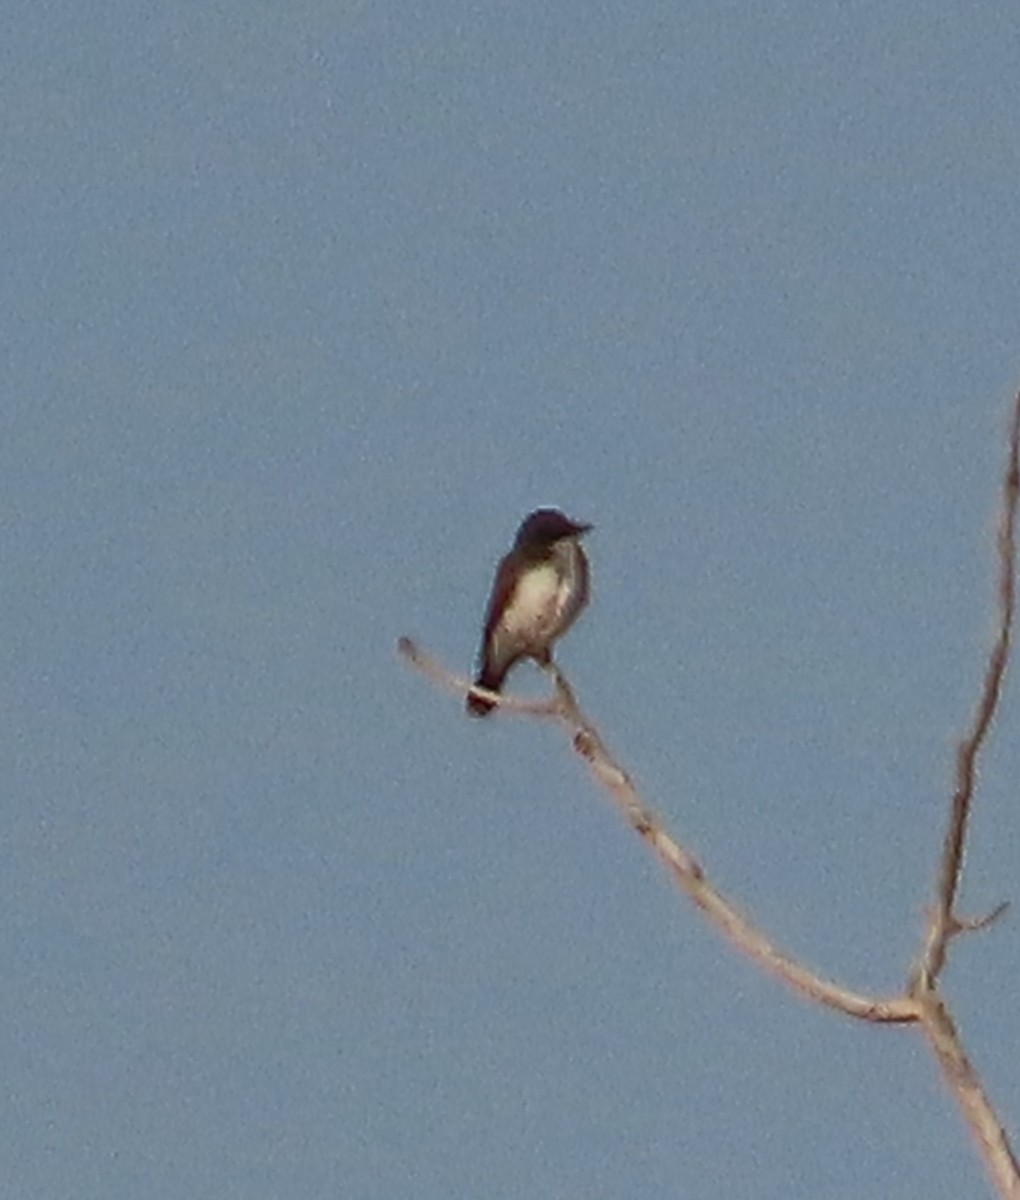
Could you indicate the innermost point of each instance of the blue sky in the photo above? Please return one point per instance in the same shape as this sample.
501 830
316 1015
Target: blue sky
305 306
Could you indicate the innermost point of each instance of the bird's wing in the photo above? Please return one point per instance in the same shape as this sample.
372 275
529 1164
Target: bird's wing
500 646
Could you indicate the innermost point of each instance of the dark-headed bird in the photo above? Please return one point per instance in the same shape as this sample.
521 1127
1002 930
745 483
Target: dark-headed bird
539 591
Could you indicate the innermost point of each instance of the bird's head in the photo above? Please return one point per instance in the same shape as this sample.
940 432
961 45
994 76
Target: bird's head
545 526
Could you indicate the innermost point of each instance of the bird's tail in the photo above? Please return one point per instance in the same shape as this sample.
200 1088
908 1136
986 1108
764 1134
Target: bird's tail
492 681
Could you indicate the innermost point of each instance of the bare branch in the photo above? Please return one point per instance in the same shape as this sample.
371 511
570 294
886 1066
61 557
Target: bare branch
685 869
942 923
458 683
965 1085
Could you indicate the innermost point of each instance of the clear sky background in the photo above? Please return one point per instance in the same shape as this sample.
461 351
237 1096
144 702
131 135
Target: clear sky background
304 306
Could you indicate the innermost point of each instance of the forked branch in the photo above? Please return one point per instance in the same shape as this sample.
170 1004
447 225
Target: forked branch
943 922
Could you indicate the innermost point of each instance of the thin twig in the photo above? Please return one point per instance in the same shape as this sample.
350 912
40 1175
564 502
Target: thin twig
942 923
685 869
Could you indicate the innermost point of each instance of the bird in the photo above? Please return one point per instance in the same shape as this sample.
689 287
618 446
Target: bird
540 588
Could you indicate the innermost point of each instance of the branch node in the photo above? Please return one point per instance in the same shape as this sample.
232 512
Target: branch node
585 744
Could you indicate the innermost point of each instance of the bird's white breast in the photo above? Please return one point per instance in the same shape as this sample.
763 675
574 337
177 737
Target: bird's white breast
535 602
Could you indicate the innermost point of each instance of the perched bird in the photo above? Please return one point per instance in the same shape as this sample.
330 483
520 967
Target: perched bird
540 588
